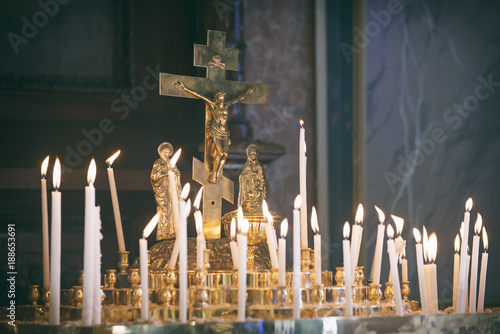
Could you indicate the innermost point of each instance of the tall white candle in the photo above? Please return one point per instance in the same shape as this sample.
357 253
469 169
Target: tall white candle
303 185
348 278
143 262
482 277
400 245
404 267
456 264
270 235
433 300
114 200
317 246
233 245
356 238
55 261
297 300
242 269
97 308
89 245
377 256
463 259
172 183
282 253
475 260
420 271
183 255
45 226
200 239
394 270
467 271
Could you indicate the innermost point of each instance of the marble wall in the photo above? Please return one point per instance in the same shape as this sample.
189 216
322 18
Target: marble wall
432 123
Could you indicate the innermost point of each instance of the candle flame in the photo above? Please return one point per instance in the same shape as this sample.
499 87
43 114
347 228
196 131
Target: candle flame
298 202
150 226
390 231
485 239
301 122
197 200
479 224
187 208
239 216
416 234
425 243
284 228
56 174
174 158
243 227
468 204
314 221
198 220
433 244
91 172
112 158
185 191
347 230
233 229
381 215
45 165
359 214
457 244
399 224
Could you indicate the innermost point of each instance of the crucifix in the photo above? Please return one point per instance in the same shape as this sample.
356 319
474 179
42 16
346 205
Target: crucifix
219 94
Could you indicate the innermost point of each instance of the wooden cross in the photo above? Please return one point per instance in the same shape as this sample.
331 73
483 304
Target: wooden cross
216 58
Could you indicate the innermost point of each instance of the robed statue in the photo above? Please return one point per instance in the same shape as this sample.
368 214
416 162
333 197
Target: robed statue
253 184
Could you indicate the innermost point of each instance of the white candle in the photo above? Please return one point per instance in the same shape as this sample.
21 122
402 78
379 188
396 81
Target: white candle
143 262
282 251
55 261
270 235
433 298
357 235
394 270
348 278
400 245
404 267
96 317
183 255
467 271
475 260
114 200
172 183
89 244
242 269
233 245
463 259
297 300
456 264
482 277
303 185
317 246
200 239
45 226
377 256
420 271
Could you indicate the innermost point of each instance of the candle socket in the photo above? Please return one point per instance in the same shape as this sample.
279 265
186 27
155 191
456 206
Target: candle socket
317 294
134 278
201 292
110 279
389 293
77 295
375 293
123 263
274 277
405 290
137 296
305 259
171 278
45 297
339 276
281 295
359 276
164 296
34 294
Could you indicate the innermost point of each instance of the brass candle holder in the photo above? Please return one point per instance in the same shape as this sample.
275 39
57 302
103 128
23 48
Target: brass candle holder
405 290
375 293
137 296
359 276
339 276
201 292
133 277
110 278
305 259
123 263
34 294
77 296
45 297
281 295
389 292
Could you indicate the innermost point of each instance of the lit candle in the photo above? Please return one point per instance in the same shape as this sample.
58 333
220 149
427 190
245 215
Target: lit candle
233 245
420 271
282 251
456 264
242 270
467 271
303 185
482 277
463 259
400 245
357 233
89 245
114 200
391 249
172 183
348 278
297 300
96 317
433 298
377 256
183 254
144 273
55 255
45 225
317 246
475 260
270 235
200 239
404 267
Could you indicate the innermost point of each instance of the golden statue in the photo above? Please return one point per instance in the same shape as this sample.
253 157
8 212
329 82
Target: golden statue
216 132
160 184
253 184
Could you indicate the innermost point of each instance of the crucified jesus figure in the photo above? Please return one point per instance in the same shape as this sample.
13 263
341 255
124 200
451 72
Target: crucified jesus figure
216 130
